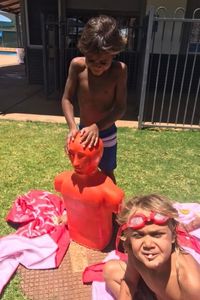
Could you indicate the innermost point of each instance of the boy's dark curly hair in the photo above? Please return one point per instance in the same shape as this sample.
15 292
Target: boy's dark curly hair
101 34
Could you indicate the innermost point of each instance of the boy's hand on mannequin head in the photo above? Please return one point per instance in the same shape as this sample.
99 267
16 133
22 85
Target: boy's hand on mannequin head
70 137
89 136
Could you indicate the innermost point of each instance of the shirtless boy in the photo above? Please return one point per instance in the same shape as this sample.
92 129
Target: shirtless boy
155 260
99 83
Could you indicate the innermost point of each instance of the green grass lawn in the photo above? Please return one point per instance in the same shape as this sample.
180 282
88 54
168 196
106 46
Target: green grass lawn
149 161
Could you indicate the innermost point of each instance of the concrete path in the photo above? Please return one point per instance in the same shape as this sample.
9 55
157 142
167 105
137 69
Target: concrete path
23 102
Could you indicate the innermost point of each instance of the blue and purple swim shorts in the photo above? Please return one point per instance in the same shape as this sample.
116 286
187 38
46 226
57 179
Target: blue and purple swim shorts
109 159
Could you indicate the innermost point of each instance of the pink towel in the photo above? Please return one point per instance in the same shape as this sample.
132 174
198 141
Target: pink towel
39 242
35 213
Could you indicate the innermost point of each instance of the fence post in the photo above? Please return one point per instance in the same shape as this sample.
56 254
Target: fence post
145 66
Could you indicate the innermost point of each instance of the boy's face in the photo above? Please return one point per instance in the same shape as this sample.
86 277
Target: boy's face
151 244
98 63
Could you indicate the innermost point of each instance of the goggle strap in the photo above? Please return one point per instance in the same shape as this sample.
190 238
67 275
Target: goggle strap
119 232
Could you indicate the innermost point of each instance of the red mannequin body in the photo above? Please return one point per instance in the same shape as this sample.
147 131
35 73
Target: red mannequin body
90 197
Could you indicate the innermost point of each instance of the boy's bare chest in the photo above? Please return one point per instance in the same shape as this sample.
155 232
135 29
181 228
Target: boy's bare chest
97 85
96 97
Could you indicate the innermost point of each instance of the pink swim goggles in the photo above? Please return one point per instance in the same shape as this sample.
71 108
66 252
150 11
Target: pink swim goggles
137 221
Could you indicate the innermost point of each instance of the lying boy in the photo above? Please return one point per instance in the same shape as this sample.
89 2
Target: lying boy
157 268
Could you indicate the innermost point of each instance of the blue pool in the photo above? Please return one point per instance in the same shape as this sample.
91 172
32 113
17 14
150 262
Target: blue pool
7 53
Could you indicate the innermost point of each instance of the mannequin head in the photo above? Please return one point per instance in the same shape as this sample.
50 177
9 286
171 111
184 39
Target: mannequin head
84 160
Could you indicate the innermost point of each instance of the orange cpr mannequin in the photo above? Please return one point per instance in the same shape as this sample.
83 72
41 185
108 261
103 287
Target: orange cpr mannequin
89 195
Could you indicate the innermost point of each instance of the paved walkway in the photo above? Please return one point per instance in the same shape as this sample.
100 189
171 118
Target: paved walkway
64 283
55 119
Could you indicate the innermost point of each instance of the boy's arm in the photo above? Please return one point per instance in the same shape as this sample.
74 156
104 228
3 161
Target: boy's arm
128 289
119 107
189 275
129 283
67 99
124 291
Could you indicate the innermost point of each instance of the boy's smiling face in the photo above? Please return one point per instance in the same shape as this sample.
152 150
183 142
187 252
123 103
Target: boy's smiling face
98 63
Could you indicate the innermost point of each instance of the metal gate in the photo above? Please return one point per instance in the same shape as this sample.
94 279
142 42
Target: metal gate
170 78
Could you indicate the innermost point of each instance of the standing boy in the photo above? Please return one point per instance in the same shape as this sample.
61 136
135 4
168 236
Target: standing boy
100 85
157 268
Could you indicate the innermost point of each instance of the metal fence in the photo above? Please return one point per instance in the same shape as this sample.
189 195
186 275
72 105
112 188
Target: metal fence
170 78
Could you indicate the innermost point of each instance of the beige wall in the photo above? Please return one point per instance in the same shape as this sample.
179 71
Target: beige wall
171 5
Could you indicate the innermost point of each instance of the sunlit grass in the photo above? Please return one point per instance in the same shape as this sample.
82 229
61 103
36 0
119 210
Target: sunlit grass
166 162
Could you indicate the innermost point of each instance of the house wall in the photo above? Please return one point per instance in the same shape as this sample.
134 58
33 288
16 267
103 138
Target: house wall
111 5
191 6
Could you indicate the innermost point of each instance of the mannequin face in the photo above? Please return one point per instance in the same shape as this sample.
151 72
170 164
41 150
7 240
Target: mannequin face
85 161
